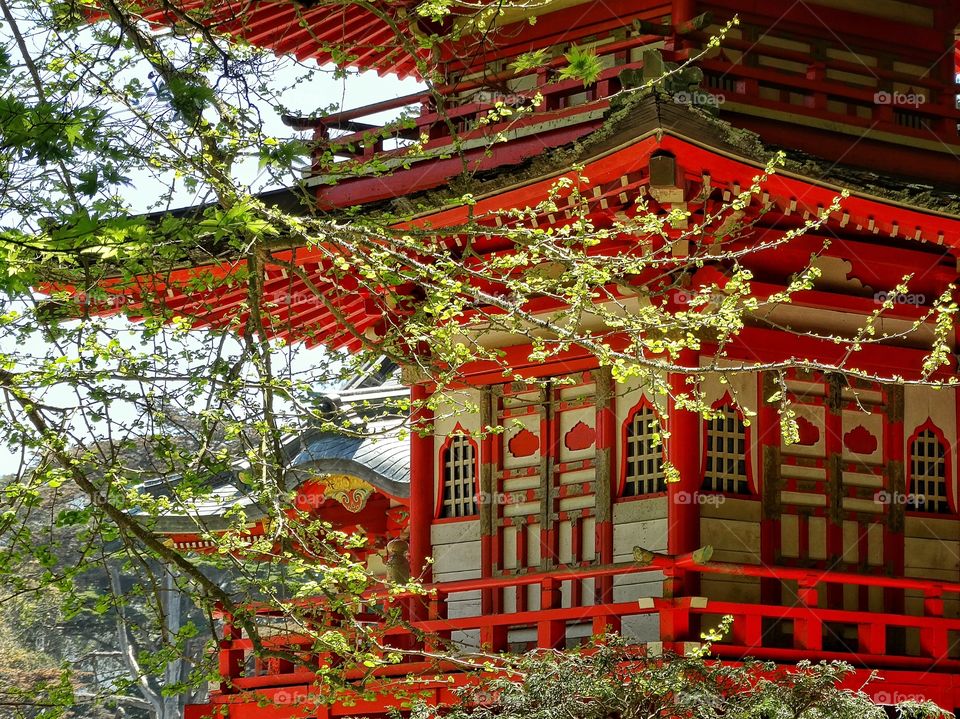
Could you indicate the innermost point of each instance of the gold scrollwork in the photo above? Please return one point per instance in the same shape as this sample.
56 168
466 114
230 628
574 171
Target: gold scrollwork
351 492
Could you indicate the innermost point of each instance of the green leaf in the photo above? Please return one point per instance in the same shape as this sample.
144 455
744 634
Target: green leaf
584 65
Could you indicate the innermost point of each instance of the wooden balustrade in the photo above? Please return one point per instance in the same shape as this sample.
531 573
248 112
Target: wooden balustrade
809 93
805 623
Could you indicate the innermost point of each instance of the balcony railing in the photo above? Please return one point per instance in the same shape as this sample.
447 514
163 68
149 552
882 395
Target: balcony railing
877 101
803 628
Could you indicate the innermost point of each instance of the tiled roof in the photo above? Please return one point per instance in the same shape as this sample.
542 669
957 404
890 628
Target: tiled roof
370 449
383 459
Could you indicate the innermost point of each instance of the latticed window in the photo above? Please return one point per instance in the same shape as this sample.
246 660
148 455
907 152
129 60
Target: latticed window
644 460
459 478
726 466
928 472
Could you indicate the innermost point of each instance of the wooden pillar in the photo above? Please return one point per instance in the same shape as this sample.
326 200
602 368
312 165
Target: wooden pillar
684 453
893 535
492 637
231 659
808 632
549 448
934 640
834 454
551 633
606 485
681 11
770 460
422 479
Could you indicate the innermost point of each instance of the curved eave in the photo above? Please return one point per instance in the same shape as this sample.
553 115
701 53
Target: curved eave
616 162
346 35
382 462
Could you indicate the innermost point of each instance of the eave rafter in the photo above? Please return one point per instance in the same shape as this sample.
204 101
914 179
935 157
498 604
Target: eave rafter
352 35
309 301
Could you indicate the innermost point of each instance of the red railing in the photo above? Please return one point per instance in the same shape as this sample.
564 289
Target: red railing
803 628
811 92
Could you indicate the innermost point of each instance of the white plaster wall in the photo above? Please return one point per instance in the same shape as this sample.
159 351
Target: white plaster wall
456 550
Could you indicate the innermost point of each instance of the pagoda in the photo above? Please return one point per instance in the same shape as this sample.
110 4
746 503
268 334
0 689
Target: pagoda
844 544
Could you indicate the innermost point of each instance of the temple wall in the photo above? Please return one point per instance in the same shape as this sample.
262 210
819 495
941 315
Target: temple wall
732 527
639 523
931 542
729 523
456 556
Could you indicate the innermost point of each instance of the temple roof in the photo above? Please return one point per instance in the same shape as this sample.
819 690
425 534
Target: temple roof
616 156
372 448
351 35
383 461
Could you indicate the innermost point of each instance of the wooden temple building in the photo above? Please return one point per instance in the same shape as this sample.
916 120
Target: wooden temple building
843 545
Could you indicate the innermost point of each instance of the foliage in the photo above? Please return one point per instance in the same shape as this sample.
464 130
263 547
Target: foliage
610 680
96 115
583 64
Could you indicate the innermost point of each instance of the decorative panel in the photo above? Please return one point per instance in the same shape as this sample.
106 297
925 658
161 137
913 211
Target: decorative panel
839 502
545 478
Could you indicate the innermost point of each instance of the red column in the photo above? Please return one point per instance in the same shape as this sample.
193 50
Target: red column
893 535
681 11
684 453
834 454
683 511
768 439
422 479
606 488
231 658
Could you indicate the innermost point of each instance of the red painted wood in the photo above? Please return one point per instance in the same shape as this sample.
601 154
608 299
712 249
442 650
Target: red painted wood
606 424
422 479
684 451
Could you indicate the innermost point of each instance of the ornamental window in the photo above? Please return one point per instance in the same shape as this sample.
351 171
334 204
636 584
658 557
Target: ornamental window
726 461
459 497
928 474
643 461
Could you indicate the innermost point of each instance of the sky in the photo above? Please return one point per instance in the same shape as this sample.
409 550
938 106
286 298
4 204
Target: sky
321 91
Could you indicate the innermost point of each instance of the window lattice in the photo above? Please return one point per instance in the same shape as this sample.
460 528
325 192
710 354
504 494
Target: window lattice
928 470
644 459
459 478
726 467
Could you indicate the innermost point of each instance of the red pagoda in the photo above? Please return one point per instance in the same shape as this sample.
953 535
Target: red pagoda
842 545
